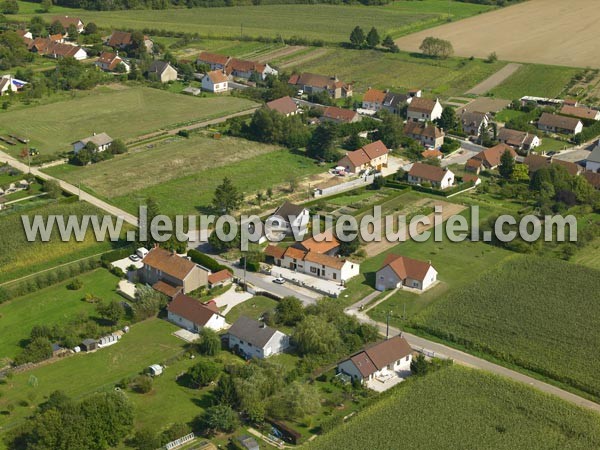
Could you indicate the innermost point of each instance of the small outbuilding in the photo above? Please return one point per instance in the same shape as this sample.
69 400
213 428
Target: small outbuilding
155 370
89 345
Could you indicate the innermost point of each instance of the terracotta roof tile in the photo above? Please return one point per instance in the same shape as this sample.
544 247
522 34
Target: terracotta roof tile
191 309
169 263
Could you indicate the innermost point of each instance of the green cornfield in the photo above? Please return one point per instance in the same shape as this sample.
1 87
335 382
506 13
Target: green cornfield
460 408
540 314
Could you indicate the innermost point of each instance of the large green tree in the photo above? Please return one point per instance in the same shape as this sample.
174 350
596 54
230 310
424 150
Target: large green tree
507 165
373 38
357 37
227 197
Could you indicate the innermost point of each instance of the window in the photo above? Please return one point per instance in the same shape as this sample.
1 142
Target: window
313 270
407 358
335 276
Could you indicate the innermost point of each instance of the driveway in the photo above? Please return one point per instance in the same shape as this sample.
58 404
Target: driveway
230 299
458 157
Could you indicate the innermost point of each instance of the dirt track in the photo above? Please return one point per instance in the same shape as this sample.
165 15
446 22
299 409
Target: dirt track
557 32
490 83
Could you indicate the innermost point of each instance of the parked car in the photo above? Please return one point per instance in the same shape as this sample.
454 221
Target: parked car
134 258
279 280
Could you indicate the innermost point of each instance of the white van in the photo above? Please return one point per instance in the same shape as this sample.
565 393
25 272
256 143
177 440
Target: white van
141 252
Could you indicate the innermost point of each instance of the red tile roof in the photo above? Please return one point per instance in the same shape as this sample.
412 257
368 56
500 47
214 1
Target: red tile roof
213 58
275 251
167 289
407 267
284 105
220 276
580 112
191 309
427 172
339 114
374 96
217 76
494 154
560 122
380 355
120 38
169 263
422 105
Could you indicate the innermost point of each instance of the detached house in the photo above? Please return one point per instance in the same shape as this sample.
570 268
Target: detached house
189 313
374 99
239 68
340 115
378 362
424 109
581 112
554 123
102 141
371 156
284 105
67 21
162 71
170 273
311 83
436 176
123 40
398 271
474 123
519 140
489 158
254 339
215 81
109 62
428 135
288 217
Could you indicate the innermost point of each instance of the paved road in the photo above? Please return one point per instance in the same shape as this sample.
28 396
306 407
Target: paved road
443 351
129 218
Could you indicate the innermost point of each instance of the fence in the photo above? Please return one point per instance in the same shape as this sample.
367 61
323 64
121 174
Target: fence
181 441
349 185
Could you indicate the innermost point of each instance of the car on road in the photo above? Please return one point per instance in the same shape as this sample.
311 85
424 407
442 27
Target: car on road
279 280
134 258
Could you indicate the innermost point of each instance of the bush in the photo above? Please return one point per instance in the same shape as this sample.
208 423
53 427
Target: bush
75 284
142 384
206 261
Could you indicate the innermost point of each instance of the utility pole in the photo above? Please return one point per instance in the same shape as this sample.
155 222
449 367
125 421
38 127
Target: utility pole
245 259
387 326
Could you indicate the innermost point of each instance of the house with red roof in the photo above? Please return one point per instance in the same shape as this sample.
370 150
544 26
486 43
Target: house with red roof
378 364
108 62
311 83
220 278
424 109
166 272
489 159
438 177
67 21
215 81
191 314
373 156
340 115
399 271
284 105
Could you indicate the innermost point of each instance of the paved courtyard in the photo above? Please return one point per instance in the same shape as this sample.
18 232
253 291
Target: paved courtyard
388 380
230 299
307 281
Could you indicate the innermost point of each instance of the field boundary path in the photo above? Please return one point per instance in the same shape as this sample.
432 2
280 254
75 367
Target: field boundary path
129 218
443 351
490 83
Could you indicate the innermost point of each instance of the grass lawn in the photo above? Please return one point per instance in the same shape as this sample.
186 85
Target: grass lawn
525 313
550 144
147 343
19 257
122 112
462 408
325 22
253 308
508 114
535 80
589 255
50 306
402 71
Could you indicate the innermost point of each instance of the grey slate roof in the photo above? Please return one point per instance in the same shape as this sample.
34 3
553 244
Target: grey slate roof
252 331
158 67
98 139
289 209
595 155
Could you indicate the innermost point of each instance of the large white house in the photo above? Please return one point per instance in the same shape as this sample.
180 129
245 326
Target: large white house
398 271
189 313
254 339
439 178
380 361
424 109
215 81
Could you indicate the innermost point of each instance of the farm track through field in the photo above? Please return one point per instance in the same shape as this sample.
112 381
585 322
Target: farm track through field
493 81
305 58
554 32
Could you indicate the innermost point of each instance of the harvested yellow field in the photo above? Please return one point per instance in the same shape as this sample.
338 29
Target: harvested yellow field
554 32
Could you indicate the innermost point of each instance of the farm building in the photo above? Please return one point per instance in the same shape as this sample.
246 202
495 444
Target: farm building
155 370
254 339
311 83
380 362
439 178
399 271
89 345
189 313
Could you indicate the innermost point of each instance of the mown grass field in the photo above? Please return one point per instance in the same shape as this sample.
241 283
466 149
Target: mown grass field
122 112
589 255
19 257
147 343
538 313
326 22
253 308
183 173
462 408
401 71
51 306
535 80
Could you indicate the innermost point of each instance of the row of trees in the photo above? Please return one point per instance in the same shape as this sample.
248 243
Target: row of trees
360 40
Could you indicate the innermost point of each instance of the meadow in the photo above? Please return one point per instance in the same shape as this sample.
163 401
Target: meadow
51 306
457 407
122 112
538 313
332 23
181 175
589 255
19 257
535 80
401 71
147 343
